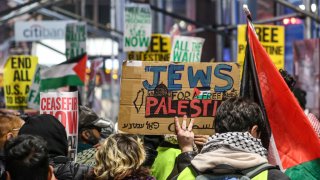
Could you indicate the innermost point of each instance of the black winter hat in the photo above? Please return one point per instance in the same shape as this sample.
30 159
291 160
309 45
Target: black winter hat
49 128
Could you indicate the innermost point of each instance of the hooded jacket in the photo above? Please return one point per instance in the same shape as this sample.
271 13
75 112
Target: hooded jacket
49 128
237 160
238 150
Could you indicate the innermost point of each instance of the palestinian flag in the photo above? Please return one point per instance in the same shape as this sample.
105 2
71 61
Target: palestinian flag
69 73
293 144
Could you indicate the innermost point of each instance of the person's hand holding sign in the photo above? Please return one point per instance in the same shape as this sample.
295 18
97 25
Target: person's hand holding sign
185 135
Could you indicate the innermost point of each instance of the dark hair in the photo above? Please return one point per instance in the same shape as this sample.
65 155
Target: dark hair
290 81
238 115
27 157
299 93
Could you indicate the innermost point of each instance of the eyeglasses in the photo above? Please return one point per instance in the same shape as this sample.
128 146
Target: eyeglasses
11 130
15 129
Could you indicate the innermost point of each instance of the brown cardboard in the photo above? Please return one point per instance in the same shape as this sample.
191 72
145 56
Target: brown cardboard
149 110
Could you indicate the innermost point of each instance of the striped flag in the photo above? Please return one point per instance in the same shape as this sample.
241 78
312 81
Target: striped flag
69 73
292 142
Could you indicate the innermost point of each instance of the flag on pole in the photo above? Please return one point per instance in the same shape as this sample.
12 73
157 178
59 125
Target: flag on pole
292 141
69 73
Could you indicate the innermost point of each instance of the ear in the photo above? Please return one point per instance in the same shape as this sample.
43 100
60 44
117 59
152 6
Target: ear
85 134
50 173
8 177
254 131
9 135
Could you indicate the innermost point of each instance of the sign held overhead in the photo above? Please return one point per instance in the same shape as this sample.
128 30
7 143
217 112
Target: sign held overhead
159 49
186 49
18 73
152 93
272 39
137 27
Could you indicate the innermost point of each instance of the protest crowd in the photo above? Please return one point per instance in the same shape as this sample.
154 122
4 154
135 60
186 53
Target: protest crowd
179 117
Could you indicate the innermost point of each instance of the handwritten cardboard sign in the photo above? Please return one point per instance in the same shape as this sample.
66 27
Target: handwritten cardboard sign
272 39
18 73
137 27
152 93
76 35
159 49
63 106
186 49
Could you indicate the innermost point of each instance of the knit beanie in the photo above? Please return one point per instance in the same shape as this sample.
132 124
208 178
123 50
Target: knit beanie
49 128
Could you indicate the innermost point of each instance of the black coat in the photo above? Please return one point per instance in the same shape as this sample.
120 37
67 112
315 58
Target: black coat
2 167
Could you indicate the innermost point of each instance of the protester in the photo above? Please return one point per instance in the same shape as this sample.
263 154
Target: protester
235 147
300 95
168 150
49 128
92 129
9 127
120 157
27 158
151 143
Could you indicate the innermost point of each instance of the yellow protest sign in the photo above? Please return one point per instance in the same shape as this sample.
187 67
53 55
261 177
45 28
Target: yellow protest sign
18 73
272 39
159 49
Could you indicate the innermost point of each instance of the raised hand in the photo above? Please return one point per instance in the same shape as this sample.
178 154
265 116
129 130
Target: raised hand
185 135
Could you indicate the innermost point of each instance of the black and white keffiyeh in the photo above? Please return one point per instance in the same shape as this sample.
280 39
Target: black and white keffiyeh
242 141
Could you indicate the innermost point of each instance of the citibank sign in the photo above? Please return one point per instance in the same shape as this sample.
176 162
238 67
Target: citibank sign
39 30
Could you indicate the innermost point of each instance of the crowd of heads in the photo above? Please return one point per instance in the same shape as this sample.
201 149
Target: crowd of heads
37 147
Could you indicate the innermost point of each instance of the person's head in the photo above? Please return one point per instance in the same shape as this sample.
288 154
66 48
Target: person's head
91 126
299 93
27 158
119 156
9 127
239 115
49 128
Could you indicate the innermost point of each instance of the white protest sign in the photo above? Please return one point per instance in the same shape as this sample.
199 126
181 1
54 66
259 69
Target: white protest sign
76 35
34 92
186 49
64 106
39 30
137 27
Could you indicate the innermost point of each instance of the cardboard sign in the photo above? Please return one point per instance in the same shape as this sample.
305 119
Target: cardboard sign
159 49
152 93
272 39
76 35
137 27
186 49
63 106
18 73
39 30
34 93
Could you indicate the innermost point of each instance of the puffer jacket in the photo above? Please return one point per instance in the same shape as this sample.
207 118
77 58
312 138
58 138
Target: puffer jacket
64 169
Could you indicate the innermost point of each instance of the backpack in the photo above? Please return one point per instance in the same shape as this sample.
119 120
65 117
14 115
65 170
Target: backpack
227 172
